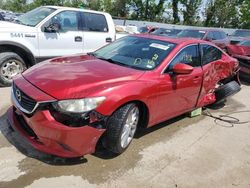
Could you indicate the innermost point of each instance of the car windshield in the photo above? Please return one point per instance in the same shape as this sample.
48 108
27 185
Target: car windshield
32 18
241 33
135 52
162 31
143 30
245 43
192 34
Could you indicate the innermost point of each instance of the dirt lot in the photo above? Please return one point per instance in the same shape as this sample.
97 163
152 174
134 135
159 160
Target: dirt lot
184 152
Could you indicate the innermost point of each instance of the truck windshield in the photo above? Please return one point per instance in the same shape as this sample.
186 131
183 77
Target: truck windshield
33 17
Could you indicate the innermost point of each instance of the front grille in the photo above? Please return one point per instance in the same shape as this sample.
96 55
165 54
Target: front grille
26 102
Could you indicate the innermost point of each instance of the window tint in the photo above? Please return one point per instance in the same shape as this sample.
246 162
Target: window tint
210 54
94 22
67 20
188 55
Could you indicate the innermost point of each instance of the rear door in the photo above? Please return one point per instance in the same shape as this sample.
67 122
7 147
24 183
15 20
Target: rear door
95 31
68 40
215 67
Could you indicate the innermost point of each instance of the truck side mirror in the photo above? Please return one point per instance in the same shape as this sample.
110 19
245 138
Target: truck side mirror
52 28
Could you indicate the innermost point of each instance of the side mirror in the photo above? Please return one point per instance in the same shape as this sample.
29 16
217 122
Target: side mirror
181 68
52 28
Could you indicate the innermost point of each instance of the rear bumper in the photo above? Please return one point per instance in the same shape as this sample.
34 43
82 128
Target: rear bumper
49 136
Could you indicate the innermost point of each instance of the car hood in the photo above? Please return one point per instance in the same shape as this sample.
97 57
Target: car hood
77 76
14 27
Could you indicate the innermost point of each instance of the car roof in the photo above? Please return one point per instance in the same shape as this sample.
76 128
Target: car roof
172 40
75 9
205 29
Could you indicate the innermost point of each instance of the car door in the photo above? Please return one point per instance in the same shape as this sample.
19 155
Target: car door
95 31
67 40
179 93
214 64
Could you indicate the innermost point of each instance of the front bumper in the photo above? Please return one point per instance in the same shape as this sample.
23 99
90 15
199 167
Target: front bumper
49 136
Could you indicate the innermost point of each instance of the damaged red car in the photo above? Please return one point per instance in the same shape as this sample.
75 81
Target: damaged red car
241 51
65 106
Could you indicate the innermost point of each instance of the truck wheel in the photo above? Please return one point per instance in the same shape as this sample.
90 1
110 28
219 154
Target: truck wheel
121 128
11 64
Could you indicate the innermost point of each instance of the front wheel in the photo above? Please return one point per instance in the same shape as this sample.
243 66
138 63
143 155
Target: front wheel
11 64
121 128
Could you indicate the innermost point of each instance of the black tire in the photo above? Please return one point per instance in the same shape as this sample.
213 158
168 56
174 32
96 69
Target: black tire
8 57
115 126
226 90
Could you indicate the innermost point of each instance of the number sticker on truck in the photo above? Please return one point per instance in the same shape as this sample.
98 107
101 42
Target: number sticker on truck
16 35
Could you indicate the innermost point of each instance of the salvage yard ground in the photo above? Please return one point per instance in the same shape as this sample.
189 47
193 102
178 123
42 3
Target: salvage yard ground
184 152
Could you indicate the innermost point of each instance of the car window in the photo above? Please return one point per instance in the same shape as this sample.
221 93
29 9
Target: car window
245 43
223 35
210 53
241 33
217 35
199 34
67 20
136 52
33 17
94 22
188 55
210 35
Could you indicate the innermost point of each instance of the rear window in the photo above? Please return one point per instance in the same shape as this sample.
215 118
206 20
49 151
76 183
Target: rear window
199 34
94 22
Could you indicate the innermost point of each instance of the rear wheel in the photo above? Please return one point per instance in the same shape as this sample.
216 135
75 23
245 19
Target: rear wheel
11 64
121 128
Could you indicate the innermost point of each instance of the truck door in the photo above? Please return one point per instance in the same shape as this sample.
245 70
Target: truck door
96 31
66 41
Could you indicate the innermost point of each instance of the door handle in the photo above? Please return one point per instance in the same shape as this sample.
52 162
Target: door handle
108 39
78 39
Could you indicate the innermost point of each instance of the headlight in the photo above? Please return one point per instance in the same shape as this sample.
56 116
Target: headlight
78 105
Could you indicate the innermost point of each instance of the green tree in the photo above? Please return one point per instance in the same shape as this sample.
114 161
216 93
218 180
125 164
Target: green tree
245 14
190 11
222 13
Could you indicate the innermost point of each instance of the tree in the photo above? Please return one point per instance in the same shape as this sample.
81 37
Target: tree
190 11
222 13
245 14
175 11
147 10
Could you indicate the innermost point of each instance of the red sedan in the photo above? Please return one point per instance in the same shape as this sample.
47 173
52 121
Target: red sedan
64 106
241 51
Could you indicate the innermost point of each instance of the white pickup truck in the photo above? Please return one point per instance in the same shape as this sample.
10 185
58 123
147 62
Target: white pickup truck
48 32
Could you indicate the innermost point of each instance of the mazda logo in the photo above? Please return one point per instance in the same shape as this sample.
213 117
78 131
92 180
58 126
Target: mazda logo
18 95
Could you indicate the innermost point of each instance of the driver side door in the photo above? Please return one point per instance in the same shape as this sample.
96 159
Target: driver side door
66 41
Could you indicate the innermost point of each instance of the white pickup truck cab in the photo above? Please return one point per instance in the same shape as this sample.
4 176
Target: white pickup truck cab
48 32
